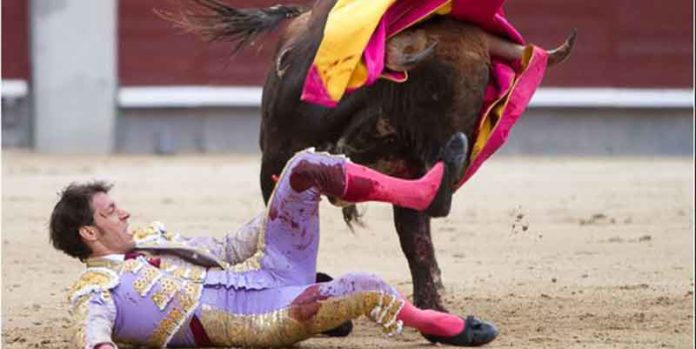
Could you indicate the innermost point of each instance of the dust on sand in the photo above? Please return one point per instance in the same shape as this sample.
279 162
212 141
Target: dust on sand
600 254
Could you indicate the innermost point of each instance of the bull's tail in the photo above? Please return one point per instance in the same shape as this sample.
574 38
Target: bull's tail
352 217
214 20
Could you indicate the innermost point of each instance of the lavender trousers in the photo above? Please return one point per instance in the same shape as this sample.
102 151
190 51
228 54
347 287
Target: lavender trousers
271 299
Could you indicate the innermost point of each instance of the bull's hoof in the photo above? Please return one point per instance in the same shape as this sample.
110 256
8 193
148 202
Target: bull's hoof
345 328
474 334
454 157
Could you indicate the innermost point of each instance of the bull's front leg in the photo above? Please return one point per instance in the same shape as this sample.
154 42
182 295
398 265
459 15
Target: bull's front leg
272 163
413 228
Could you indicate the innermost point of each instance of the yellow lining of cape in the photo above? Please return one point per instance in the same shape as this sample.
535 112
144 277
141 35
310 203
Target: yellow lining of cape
497 108
339 61
348 29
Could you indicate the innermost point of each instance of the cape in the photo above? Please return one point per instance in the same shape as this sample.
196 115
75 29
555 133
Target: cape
352 51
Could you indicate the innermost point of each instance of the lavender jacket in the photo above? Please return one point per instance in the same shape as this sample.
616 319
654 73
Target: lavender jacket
162 298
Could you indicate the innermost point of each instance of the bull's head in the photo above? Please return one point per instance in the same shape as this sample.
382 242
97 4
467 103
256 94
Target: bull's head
413 46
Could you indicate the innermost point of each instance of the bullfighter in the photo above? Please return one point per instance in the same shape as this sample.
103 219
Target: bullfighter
256 287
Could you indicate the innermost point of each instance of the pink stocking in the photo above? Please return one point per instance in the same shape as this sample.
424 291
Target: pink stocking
365 184
430 321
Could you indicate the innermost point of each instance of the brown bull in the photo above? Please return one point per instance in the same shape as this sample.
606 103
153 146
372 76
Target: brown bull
397 128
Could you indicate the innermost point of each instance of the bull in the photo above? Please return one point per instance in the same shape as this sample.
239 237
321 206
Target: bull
396 128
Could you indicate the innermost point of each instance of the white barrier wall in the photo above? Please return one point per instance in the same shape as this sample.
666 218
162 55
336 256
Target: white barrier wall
73 63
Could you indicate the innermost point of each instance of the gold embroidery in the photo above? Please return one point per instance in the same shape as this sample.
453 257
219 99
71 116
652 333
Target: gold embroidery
147 278
158 338
185 271
189 298
166 264
272 329
168 287
103 263
132 266
185 302
150 231
386 312
250 264
91 280
169 236
170 265
181 272
79 313
280 329
80 304
196 274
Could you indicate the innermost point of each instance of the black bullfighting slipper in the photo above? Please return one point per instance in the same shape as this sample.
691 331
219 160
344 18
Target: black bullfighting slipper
454 156
474 334
344 329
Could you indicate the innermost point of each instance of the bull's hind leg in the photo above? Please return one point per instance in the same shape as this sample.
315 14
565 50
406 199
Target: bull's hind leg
413 228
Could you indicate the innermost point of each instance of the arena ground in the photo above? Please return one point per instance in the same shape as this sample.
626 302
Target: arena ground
558 252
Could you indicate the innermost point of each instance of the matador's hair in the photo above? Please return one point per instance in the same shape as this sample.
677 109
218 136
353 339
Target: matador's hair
73 211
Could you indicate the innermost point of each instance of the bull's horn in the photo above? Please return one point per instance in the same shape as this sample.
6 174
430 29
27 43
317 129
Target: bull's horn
560 53
502 48
406 61
512 51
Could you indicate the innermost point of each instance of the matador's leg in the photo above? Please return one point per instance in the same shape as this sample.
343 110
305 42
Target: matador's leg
283 316
356 183
292 223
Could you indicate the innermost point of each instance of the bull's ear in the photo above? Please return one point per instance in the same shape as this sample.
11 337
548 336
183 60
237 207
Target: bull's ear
406 61
281 61
408 49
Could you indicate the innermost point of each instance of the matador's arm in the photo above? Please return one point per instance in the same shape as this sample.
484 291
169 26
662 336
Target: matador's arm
234 247
93 316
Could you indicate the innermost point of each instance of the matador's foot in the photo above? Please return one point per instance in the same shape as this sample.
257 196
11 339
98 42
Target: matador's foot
345 328
342 330
454 157
475 333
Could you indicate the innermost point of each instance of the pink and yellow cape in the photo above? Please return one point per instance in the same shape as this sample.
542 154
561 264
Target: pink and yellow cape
351 55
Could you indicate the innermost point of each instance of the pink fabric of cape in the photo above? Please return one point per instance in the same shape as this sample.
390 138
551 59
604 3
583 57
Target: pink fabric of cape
510 83
519 87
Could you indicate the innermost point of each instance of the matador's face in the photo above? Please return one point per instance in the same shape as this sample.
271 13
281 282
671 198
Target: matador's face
112 222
